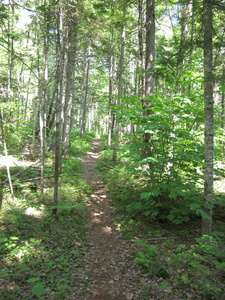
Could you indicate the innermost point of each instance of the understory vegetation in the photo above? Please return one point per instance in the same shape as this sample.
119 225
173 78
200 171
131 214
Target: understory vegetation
41 254
164 218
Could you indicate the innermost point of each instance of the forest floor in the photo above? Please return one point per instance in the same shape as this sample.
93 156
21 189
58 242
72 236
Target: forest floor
112 274
89 251
110 267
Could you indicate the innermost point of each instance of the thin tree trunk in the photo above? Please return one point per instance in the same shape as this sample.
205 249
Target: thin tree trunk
85 91
187 10
149 77
111 116
43 78
6 153
223 119
141 48
208 101
58 108
70 72
120 85
10 48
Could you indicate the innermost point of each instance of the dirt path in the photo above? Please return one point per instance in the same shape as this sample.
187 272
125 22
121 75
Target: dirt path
112 273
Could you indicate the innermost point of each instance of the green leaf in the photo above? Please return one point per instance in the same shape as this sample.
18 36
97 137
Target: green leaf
177 221
147 213
33 279
15 251
208 205
38 290
145 195
165 286
203 214
194 206
3 240
14 238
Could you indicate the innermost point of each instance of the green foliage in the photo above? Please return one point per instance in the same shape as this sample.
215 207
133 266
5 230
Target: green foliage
38 290
149 257
15 132
72 166
172 185
201 267
79 146
40 254
105 163
43 250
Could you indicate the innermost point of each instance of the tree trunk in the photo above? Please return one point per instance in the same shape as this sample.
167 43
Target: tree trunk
10 43
6 152
70 72
141 48
187 10
58 108
208 102
85 91
111 115
149 77
120 85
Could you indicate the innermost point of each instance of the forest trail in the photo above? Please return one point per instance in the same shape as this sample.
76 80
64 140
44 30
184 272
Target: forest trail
112 272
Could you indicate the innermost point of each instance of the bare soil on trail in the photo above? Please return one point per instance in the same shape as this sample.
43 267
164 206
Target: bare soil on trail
111 270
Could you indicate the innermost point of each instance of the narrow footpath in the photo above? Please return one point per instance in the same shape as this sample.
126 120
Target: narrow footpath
111 270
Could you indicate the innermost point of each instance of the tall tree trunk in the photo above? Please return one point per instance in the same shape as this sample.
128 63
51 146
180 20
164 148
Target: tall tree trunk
111 115
187 11
85 89
43 79
208 102
5 152
120 85
141 48
223 119
58 108
149 76
10 43
70 72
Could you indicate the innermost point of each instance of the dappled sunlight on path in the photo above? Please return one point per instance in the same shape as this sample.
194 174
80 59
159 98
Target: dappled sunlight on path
111 271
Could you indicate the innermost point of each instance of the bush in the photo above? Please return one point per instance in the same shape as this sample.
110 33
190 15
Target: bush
199 267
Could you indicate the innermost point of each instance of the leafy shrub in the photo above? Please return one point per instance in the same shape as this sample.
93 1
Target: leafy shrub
175 201
202 266
199 267
149 257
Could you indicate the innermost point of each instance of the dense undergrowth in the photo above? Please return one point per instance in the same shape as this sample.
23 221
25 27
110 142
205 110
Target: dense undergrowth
164 217
42 254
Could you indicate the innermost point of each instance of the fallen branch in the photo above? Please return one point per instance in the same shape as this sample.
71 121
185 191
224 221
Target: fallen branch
36 178
28 180
160 238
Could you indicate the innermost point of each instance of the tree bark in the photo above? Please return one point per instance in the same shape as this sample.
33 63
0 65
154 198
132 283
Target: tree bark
149 78
58 107
70 82
6 152
208 113
85 89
